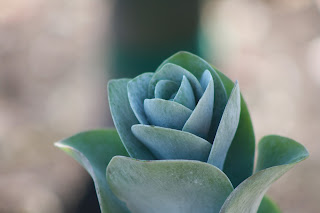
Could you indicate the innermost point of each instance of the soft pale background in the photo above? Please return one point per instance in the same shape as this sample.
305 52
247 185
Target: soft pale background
52 85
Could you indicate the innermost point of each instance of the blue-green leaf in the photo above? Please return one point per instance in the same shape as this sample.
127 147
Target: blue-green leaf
205 79
123 118
277 150
168 186
165 113
165 89
240 158
200 119
185 94
268 206
167 143
175 73
137 92
197 66
276 156
93 150
226 130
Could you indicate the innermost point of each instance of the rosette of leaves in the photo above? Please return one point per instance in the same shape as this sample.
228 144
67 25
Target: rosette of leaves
183 143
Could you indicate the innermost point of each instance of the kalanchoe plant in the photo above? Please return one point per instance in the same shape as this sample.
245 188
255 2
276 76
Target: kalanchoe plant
184 144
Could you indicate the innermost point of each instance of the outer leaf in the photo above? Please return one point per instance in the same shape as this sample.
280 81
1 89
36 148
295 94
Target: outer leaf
197 66
165 113
247 197
200 119
137 92
175 73
226 130
93 150
268 206
123 118
168 186
240 158
277 150
172 144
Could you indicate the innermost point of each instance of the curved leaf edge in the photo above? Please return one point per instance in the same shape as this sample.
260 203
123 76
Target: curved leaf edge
81 158
239 165
162 162
282 146
84 162
272 173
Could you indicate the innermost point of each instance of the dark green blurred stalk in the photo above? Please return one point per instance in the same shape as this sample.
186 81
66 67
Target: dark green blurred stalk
145 32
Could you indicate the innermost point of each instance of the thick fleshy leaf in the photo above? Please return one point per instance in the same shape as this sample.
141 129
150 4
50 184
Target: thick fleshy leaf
277 150
175 73
168 186
165 113
165 89
276 156
268 206
167 143
185 94
123 118
137 92
205 79
200 119
226 130
93 150
197 66
240 158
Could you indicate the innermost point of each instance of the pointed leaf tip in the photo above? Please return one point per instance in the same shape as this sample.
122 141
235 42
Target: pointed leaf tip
199 121
240 158
226 130
185 95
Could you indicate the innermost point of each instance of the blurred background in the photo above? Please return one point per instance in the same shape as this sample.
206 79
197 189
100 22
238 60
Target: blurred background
57 56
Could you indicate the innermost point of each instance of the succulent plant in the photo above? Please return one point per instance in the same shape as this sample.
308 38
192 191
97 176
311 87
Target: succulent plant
184 142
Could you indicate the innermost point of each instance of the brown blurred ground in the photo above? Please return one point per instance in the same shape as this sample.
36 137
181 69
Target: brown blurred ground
52 85
50 88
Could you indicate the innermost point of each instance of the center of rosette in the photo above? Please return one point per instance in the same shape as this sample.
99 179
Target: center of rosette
165 89
172 105
175 111
165 113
